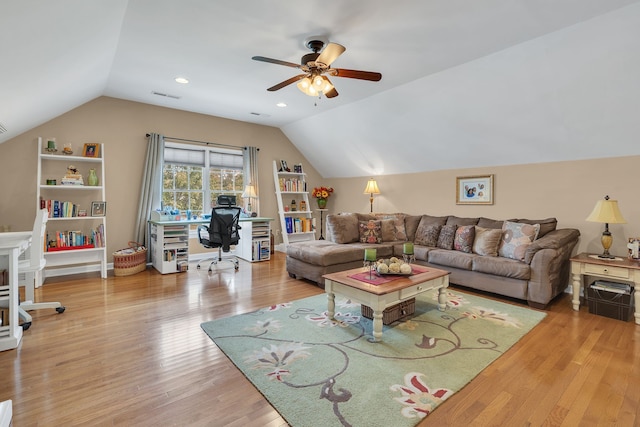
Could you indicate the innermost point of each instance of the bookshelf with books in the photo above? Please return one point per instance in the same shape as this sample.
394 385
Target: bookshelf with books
296 220
255 239
70 185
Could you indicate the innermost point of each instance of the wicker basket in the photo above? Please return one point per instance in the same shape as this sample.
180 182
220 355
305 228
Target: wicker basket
130 260
391 314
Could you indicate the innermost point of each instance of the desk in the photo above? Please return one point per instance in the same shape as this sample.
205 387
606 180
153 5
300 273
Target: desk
11 246
623 270
169 242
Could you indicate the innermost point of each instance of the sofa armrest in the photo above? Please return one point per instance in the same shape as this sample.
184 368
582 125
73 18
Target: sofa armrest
553 240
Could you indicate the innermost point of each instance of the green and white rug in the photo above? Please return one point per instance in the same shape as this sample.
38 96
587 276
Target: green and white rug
320 372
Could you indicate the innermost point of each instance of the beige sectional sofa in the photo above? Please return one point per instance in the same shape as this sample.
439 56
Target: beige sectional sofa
519 258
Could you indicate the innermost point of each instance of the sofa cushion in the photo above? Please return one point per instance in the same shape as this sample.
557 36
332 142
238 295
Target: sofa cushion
343 228
454 220
398 220
463 240
427 233
453 259
516 237
446 237
370 231
325 253
490 223
499 266
546 225
487 241
411 223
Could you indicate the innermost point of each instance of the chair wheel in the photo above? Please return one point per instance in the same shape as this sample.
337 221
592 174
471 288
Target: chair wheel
26 326
198 266
60 309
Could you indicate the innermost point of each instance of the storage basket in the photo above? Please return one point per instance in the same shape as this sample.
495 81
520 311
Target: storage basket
130 260
610 304
393 313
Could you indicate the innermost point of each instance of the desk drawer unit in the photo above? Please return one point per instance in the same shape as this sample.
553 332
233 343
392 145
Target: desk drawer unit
608 271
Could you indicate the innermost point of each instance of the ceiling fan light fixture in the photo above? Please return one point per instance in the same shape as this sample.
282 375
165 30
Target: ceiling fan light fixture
306 86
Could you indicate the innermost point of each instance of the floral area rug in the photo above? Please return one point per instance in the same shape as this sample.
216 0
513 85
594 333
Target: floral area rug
321 372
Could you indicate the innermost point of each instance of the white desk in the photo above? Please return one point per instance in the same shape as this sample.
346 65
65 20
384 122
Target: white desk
11 246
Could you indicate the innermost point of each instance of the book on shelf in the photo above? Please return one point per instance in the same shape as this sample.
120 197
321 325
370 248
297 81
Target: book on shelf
75 239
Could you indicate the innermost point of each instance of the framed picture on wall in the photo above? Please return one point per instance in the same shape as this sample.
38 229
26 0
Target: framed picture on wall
474 190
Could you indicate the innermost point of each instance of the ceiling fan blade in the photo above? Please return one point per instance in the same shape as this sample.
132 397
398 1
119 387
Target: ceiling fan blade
332 93
275 61
356 74
287 82
330 53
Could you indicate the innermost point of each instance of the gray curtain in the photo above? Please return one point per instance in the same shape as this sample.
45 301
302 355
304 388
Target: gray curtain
151 189
250 172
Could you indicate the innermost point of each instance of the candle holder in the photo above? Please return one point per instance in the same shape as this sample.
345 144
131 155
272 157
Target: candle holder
371 266
409 258
370 260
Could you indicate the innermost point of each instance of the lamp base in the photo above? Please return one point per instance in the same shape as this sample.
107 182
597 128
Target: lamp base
607 256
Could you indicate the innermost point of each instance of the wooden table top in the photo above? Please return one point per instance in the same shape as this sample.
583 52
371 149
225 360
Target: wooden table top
620 262
401 282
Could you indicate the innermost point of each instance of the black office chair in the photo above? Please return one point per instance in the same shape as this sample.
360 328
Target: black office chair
222 232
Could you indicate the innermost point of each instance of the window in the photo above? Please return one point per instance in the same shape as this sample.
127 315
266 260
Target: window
193 177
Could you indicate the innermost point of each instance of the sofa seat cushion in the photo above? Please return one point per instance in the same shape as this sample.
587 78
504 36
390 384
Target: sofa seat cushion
504 267
325 253
450 258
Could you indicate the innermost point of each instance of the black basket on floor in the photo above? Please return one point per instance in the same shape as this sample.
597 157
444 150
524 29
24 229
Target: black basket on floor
609 303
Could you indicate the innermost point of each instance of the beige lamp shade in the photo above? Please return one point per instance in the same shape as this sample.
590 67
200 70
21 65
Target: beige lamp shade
372 187
249 191
606 211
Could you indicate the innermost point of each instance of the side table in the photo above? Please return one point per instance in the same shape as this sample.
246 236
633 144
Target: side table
591 265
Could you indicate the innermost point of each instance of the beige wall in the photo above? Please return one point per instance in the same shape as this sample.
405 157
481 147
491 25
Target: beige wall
566 190
121 126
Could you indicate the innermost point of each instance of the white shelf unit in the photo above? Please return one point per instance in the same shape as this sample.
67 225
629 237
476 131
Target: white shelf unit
293 186
170 247
255 239
54 166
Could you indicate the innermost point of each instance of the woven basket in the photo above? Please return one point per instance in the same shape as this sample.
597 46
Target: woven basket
391 314
130 260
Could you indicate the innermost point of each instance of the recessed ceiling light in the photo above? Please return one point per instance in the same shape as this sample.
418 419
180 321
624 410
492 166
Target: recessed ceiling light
281 104
182 80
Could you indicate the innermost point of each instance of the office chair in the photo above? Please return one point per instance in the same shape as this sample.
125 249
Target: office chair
32 267
222 232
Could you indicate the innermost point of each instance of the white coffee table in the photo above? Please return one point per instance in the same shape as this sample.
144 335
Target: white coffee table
381 296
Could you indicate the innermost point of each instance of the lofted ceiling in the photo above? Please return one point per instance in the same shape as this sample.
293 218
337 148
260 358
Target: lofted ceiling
465 83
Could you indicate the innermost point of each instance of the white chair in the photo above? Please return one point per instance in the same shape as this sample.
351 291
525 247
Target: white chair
32 267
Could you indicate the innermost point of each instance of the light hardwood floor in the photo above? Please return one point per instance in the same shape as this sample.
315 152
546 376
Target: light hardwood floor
130 351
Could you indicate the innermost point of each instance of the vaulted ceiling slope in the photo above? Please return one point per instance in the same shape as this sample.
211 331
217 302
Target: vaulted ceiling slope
465 83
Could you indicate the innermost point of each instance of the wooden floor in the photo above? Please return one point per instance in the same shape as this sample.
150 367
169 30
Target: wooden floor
130 351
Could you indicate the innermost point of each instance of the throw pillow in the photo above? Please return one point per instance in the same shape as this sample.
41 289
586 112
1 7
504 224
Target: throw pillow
447 234
343 228
370 232
398 220
388 230
427 234
463 241
487 241
546 225
516 237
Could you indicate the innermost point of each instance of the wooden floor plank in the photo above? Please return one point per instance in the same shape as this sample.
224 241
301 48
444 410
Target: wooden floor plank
130 351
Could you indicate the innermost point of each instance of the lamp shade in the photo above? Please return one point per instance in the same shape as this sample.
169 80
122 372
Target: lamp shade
249 191
372 187
606 211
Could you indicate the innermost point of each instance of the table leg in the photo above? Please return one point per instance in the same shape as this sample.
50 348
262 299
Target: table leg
576 284
377 326
331 304
442 298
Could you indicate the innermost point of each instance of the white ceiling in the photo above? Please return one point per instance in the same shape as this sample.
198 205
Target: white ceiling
465 83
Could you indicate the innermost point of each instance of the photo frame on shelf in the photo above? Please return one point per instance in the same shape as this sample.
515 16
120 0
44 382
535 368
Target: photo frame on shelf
98 208
91 150
297 168
284 167
474 190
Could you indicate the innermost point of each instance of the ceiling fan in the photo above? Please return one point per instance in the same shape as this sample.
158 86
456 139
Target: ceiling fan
316 67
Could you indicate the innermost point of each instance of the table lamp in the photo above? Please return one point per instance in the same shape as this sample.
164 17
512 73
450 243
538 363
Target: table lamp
372 188
606 211
249 193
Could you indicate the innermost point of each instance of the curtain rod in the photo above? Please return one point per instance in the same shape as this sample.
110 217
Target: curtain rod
201 142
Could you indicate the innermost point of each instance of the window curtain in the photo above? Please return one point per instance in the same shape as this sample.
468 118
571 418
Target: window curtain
250 173
151 189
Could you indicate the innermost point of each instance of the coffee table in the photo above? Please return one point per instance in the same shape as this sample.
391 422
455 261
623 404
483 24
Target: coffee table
381 296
